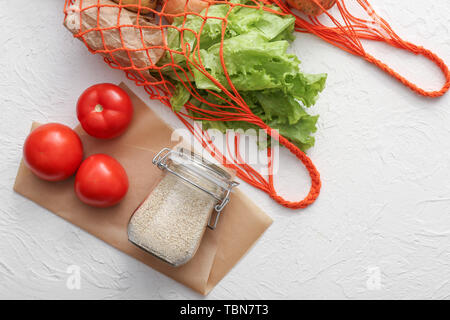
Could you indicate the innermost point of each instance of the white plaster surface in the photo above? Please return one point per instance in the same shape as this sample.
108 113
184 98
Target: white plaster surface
383 153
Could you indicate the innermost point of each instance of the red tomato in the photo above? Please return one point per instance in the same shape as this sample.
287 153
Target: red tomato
53 152
104 110
101 181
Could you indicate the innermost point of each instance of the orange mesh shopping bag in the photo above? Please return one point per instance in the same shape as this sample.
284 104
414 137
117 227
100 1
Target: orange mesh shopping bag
137 39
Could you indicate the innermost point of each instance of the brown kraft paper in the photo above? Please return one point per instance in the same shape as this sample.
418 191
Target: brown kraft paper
240 224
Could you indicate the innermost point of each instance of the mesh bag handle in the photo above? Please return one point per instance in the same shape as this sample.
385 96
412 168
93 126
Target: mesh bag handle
347 33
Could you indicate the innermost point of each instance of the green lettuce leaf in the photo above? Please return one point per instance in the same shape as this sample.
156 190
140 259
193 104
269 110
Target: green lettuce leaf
180 97
255 47
279 111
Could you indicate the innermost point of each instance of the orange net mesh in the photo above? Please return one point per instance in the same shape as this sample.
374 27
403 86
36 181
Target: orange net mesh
346 31
105 27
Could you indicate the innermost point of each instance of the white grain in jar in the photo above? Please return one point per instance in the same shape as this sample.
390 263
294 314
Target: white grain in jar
170 223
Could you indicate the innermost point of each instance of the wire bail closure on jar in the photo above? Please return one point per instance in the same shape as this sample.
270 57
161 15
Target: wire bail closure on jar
191 161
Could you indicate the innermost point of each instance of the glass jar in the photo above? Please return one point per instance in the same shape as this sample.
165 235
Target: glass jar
171 221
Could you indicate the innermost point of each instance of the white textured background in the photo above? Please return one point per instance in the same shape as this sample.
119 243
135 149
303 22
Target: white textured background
383 153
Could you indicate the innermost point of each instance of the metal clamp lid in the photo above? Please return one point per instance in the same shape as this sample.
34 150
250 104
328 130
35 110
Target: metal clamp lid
218 176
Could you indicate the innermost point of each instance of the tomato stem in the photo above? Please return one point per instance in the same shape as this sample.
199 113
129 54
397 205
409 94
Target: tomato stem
98 108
